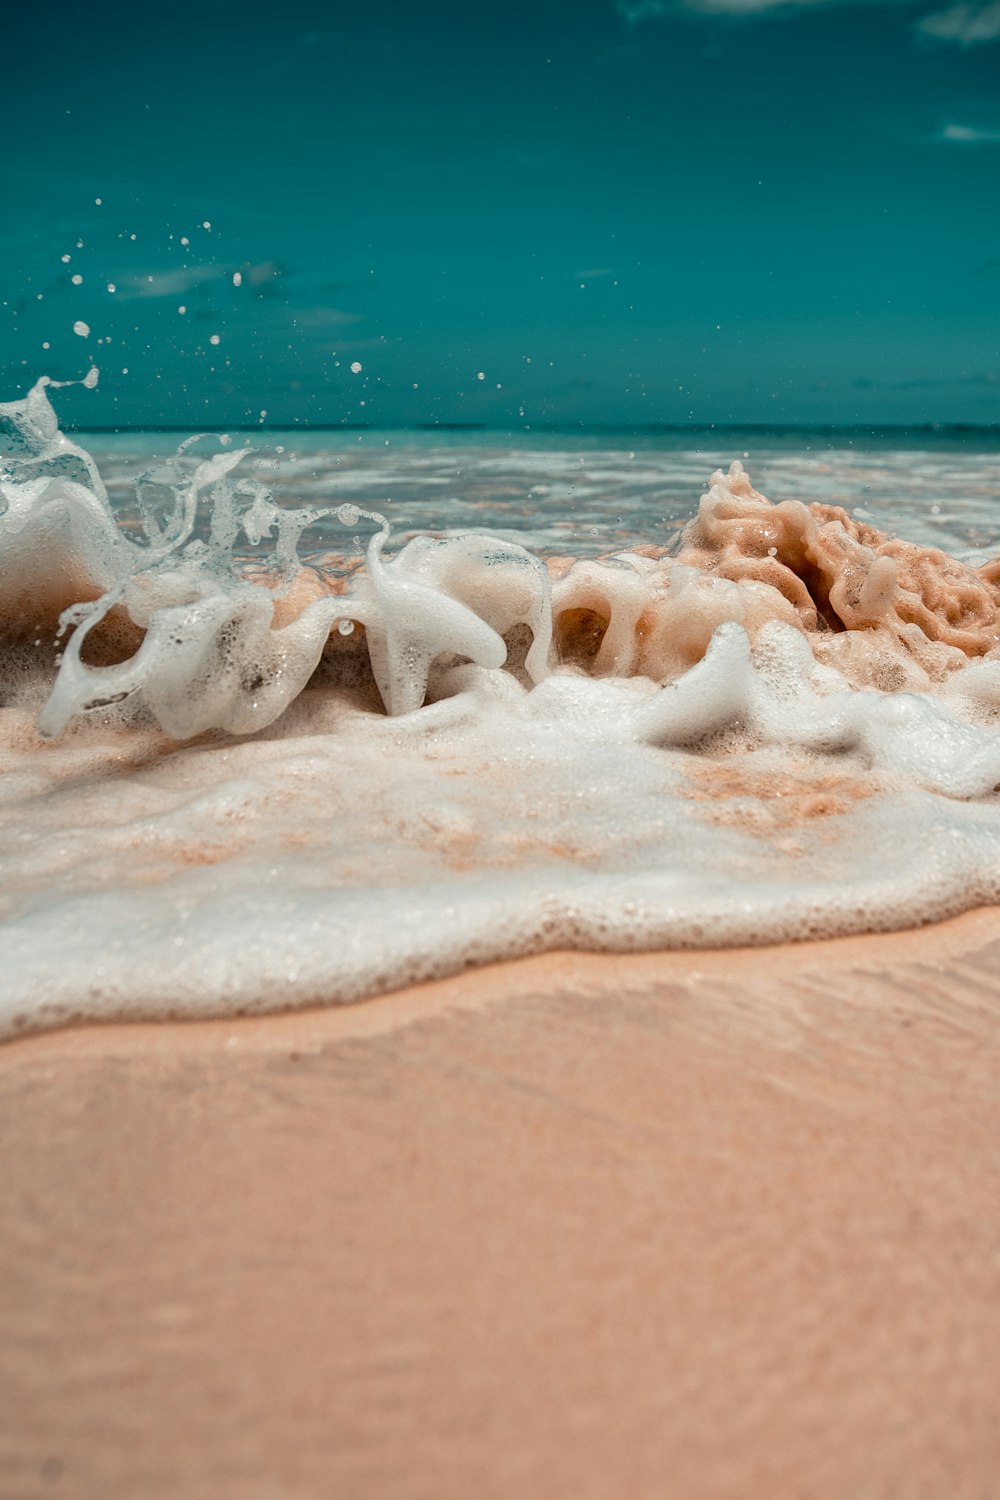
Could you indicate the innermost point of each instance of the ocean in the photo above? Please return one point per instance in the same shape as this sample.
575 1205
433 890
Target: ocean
591 491
300 717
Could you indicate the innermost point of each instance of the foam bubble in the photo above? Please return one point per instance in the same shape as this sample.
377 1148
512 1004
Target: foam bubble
235 781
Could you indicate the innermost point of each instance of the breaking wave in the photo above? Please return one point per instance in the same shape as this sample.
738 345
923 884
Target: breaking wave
255 757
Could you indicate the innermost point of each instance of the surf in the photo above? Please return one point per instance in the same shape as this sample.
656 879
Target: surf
257 754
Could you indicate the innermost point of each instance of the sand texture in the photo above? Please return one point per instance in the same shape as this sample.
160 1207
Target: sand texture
693 1227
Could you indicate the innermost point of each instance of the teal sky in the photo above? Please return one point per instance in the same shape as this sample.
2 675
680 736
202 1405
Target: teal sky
611 211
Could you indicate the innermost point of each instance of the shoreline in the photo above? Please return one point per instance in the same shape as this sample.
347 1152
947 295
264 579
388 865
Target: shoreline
721 1224
935 945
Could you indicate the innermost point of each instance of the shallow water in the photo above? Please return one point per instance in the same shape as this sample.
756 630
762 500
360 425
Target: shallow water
284 757
598 492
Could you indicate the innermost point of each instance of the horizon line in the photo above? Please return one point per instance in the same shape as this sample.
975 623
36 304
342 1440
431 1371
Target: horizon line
577 427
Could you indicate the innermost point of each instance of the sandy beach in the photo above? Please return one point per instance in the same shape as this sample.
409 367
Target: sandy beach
689 1225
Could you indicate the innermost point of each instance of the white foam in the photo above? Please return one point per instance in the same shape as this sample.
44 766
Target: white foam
257 808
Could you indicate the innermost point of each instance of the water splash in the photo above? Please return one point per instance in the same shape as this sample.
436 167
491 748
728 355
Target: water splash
275 774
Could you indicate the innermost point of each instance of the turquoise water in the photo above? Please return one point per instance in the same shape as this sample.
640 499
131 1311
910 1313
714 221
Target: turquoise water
582 494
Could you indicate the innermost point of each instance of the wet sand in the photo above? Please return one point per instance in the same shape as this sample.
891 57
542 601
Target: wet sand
708 1225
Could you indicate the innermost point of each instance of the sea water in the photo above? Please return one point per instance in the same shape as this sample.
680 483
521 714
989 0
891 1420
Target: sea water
309 716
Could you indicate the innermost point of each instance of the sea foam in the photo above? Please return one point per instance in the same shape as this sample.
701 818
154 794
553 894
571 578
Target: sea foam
257 756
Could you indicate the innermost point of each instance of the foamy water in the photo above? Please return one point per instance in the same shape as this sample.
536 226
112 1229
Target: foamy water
327 720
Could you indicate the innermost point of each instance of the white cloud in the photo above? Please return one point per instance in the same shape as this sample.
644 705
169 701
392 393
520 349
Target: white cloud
970 135
636 11
181 279
166 283
324 317
751 7
968 23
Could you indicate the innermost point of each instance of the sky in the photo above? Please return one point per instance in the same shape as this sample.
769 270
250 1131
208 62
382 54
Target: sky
522 214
